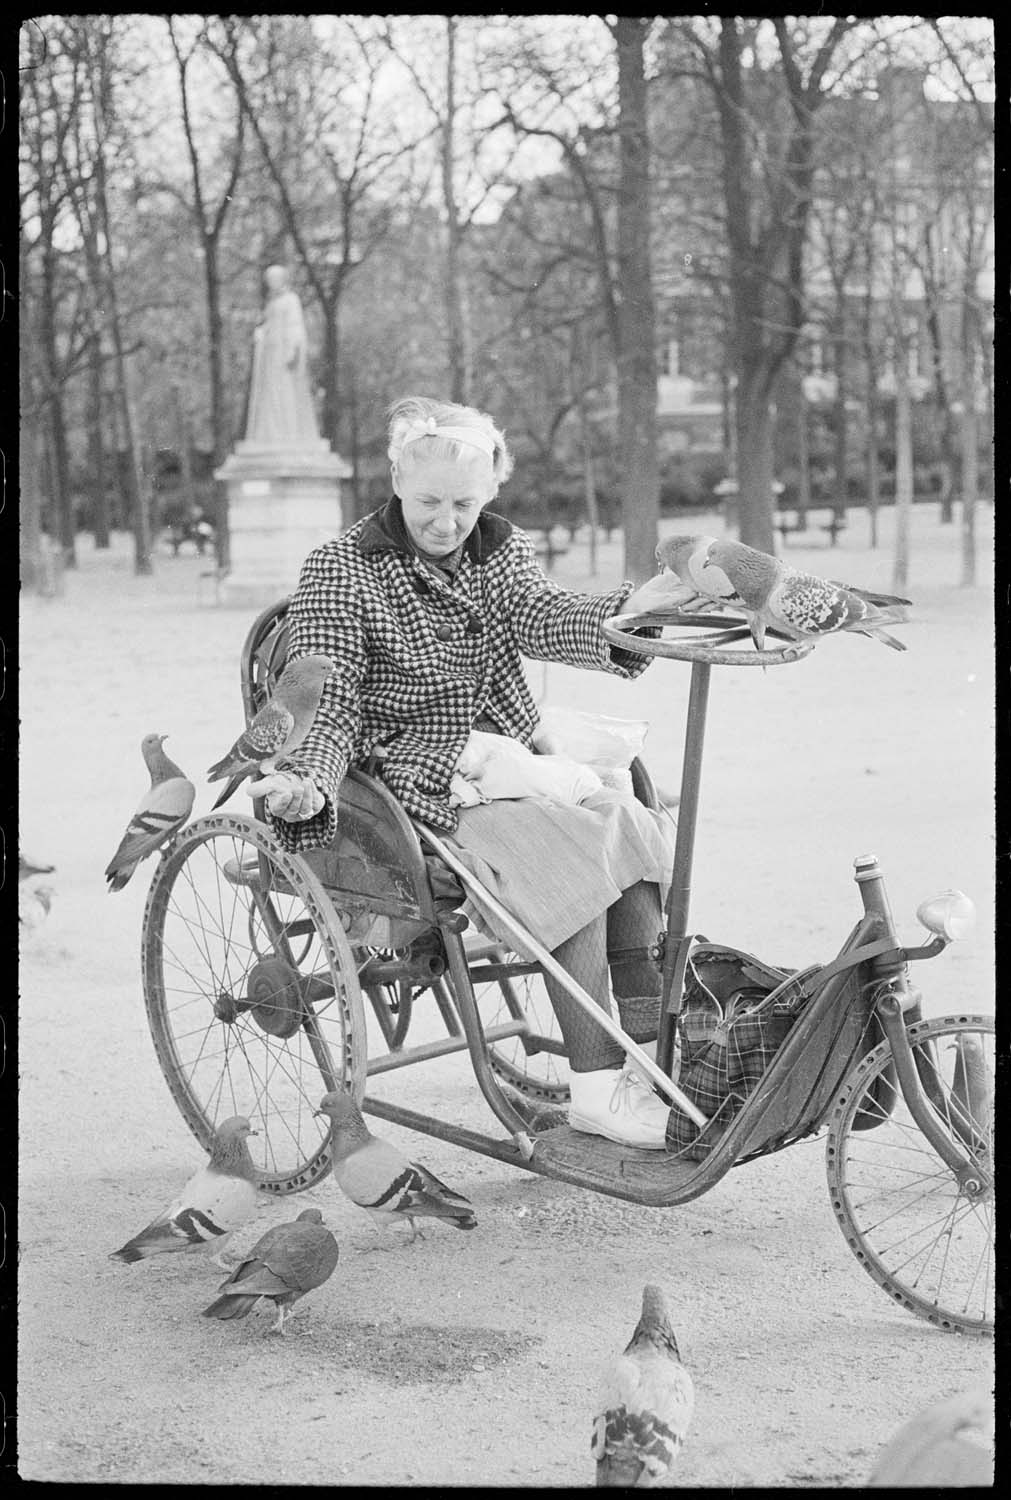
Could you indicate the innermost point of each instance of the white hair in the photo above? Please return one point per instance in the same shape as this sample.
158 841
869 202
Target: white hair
410 416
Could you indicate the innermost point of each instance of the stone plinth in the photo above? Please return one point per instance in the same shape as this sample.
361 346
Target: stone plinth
282 502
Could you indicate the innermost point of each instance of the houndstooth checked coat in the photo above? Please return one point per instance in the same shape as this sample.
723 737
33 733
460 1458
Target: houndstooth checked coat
421 658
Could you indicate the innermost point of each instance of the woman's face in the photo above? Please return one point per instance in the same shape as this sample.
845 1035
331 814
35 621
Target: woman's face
442 498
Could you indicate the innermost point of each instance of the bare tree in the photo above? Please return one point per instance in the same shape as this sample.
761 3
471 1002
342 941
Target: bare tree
51 94
637 374
209 220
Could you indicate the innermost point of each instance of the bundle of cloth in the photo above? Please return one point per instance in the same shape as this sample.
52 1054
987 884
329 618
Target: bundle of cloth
493 766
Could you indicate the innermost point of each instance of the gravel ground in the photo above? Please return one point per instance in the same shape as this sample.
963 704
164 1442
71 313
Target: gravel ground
472 1359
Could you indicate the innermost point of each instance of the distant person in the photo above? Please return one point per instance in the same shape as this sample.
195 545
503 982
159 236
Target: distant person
281 411
429 605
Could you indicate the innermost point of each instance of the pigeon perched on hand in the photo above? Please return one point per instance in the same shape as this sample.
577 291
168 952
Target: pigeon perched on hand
214 1203
801 606
645 1405
376 1176
285 1263
163 810
280 726
950 1445
686 556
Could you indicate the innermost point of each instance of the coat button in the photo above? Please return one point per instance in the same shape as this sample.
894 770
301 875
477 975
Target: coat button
444 632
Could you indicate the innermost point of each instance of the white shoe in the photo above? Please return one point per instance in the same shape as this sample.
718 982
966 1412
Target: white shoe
618 1105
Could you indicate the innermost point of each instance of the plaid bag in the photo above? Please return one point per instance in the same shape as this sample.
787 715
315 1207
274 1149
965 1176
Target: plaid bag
736 1013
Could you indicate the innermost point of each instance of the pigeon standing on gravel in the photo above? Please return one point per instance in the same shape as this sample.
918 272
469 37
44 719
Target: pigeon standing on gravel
285 1263
218 1198
28 866
686 556
280 726
163 810
645 1405
948 1446
801 606
35 893
376 1176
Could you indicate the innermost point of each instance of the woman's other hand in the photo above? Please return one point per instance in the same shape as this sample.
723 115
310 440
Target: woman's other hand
289 796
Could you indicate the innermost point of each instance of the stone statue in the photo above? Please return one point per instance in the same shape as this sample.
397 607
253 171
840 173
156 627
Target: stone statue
281 412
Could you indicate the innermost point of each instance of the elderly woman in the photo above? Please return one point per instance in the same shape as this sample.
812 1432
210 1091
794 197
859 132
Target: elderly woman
428 607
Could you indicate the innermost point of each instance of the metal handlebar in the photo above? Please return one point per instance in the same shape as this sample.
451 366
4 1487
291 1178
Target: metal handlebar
714 648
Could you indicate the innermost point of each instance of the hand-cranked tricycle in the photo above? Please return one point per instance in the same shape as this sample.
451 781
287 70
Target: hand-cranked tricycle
258 964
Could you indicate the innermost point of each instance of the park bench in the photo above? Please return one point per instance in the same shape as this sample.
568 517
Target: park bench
795 521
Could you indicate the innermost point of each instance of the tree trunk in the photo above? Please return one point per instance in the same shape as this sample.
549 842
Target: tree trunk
140 520
637 374
589 486
60 476
220 433
946 426
873 476
55 422
455 342
330 415
30 509
841 424
96 450
903 467
803 459
970 448
755 511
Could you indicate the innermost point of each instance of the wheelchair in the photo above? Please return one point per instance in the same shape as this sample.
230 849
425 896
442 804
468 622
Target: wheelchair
260 967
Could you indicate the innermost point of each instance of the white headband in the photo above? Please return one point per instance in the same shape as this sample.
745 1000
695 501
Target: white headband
473 435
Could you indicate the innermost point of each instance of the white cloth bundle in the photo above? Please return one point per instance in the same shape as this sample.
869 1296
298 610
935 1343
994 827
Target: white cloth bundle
494 766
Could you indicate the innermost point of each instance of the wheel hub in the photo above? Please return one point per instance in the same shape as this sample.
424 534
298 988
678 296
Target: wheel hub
274 995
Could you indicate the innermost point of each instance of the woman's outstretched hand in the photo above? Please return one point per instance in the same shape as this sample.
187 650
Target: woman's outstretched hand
665 591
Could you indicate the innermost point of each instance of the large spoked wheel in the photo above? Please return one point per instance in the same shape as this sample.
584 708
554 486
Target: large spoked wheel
923 1236
533 1060
252 993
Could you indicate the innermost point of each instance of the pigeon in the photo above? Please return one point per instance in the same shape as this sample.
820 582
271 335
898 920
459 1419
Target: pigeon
376 1176
280 726
285 1263
971 1102
950 1445
34 903
686 556
800 606
214 1203
163 810
645 1405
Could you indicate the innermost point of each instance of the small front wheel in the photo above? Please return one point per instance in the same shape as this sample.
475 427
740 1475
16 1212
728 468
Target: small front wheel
924 1236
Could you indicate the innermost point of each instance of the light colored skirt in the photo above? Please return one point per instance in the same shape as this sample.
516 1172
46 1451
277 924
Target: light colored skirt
554 865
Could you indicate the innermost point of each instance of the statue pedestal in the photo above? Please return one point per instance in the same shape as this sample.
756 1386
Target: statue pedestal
282 502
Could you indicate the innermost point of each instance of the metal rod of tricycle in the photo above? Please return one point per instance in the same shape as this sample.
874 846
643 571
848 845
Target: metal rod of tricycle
679 898
527 941
401 1058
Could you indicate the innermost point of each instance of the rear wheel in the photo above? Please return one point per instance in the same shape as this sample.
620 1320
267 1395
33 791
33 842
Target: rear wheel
534 1059
923 1236
252 993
